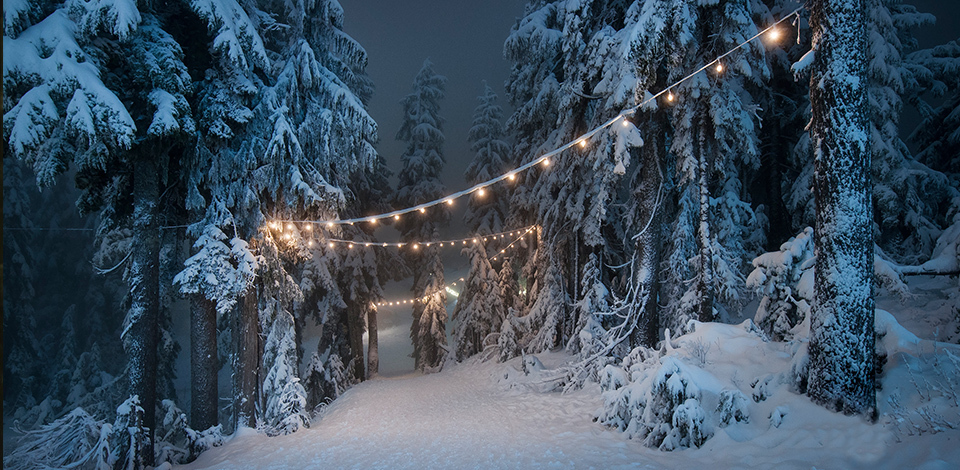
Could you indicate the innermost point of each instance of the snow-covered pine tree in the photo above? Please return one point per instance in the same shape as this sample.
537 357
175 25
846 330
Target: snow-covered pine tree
936 135
714 143
906 193
419 182
841 329
480 310
487 214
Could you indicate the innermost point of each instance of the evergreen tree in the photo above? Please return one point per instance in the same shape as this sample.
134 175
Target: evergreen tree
480 310
487 214
841 329
422 130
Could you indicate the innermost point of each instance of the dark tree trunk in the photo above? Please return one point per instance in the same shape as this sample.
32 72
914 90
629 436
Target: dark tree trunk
373 348
648 214
203 363
704 245
145 295
355 332
247 361
841 329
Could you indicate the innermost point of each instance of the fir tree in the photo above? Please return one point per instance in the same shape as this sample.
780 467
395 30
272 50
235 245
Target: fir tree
422 130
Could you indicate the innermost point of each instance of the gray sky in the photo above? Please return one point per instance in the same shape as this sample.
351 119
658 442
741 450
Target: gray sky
464 40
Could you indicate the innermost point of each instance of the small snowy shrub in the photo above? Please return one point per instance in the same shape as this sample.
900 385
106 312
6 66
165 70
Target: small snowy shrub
783 280
660 405
129 436
733 408
507 342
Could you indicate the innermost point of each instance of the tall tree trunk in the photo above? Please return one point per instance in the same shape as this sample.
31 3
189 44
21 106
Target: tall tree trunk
704 246
203 363
841 329
649 188
373 347
246 365
355 331
145 295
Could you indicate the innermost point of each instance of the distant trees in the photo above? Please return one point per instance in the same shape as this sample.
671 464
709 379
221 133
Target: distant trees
419 182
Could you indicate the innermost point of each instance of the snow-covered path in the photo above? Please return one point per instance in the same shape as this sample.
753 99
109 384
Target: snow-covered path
460 418
472 416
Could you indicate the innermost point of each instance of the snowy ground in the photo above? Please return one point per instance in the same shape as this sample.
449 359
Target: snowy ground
489 415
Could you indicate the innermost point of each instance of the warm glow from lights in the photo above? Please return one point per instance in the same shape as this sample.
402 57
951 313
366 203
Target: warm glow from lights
583 143
309 227
546 162
289 226
625 122
384 245
310 243
670 96
330 244
423 210
372 221
350 246
329 224
396 217
511 176
774 34
474 240
416 247
449 202
719 67
273 225
481 192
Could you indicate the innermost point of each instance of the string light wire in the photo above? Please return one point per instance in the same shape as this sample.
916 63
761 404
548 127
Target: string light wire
581 140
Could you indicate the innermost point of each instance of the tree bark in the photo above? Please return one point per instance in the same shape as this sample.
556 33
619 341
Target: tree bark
145 295
355 327
704 245
648 244
203 363
841 330
247 362
373 347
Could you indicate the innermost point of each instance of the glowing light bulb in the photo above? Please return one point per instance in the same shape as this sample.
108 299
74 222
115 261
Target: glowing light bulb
511 176
546 162
309 227
449 202
474 240
719 67
583 143
774 34
329 224
384 245
310 243
396 217
625 122
481 192
423 210
372 221
670 96
416 247
330 244
350 246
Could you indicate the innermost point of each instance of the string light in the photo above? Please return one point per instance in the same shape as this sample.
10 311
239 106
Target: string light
774 34
481 192
511 176
719 67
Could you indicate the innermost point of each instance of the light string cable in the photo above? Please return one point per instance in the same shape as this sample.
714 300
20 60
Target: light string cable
448 287
452 243
545 158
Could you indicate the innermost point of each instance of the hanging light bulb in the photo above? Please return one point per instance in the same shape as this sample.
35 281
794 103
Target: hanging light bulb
308 227
309 242
350 246
396 217
372 221
481 192
329 224
625 122
384 245
416 246
774 34
511 176
474 240
719 67
546 162
423 210
330 244
449 202
583 143
670 96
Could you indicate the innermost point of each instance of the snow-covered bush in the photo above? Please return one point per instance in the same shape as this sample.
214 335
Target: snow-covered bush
784 280
507 341
129 437
660 405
